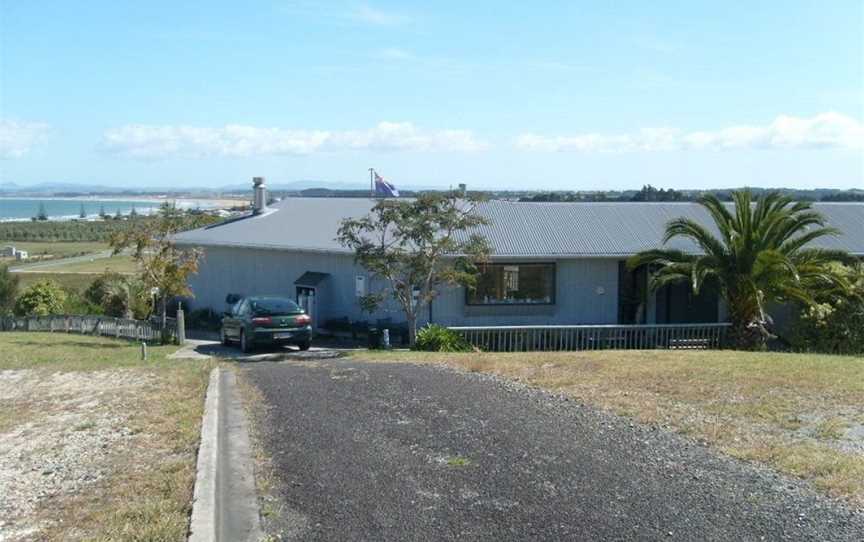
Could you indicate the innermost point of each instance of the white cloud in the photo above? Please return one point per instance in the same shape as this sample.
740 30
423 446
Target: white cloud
18 137
368 14
153 141
825 130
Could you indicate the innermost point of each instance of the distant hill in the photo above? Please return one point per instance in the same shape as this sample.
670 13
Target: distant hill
309 188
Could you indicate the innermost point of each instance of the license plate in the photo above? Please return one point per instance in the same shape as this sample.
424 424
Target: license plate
282 335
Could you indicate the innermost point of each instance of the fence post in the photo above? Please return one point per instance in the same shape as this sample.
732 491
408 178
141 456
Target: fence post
181 327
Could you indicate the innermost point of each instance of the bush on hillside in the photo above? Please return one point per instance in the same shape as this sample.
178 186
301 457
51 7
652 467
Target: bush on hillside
41 299
435 338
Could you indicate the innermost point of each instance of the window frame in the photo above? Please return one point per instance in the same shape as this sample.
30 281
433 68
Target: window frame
553 297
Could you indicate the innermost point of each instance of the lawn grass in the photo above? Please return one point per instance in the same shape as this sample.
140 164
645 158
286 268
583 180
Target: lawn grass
794 412
71 281
148 493
57 249
118 264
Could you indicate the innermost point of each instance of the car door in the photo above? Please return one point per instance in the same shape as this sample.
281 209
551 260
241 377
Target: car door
234 323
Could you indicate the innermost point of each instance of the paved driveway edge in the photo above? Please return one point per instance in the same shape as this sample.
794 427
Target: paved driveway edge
225 505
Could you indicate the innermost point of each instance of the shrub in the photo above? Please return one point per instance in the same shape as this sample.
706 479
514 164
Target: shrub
118 295
435 338
8 290
41 299
835 324
78 304
204 319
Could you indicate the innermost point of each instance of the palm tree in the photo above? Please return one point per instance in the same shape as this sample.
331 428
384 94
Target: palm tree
761 256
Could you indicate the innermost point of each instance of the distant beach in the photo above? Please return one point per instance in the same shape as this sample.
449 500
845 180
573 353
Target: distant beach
20 208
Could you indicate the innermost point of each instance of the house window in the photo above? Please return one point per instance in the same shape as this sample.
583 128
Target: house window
514 284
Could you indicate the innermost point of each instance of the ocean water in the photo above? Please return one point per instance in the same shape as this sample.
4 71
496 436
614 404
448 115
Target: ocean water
68 208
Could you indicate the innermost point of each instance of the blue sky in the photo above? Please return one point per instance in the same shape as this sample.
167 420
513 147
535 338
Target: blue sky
556 95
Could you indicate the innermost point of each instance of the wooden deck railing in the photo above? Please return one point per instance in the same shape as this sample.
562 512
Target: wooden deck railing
599 337
106 326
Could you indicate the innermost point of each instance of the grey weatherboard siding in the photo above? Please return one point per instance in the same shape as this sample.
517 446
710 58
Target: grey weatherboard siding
249 271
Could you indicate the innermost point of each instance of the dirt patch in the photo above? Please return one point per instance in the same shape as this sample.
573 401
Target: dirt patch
58 439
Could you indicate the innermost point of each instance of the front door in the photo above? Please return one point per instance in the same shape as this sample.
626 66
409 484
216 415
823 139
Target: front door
307 298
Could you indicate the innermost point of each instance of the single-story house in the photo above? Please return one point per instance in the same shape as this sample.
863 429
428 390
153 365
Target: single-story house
552 263
10 251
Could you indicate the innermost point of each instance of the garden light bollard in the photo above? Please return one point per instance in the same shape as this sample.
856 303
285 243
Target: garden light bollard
385 339
143 351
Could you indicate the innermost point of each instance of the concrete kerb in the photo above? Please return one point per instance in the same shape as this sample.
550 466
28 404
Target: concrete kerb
225 505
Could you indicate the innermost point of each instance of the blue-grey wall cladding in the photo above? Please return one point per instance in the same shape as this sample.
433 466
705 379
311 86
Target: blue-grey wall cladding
586 289
251 271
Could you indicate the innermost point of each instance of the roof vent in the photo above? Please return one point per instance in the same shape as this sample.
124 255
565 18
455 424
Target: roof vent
259 195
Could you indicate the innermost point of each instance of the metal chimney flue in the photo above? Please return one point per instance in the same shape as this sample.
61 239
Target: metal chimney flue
259 195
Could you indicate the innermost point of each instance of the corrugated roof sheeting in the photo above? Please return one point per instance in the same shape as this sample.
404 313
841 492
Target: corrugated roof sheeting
516 229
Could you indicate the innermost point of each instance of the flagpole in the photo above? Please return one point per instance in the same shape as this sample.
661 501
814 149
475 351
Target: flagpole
371 183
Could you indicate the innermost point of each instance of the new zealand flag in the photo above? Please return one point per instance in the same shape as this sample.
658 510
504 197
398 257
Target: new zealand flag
383 188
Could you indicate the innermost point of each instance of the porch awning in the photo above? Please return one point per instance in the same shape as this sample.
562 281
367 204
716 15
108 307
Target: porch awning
311 279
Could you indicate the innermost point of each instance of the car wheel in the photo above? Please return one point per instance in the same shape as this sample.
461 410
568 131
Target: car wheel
245 345
304 345
225 340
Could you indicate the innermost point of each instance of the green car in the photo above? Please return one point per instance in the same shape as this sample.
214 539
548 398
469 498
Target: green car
257 321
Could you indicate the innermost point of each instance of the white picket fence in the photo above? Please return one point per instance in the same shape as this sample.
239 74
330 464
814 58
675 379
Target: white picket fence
600 337
106 326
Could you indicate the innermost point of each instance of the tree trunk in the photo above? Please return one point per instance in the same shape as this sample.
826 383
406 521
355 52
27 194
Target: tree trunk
745 336
163 318
412 329
746 332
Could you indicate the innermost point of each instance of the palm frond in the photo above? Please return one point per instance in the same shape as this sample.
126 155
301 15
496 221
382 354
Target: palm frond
658 257
690 229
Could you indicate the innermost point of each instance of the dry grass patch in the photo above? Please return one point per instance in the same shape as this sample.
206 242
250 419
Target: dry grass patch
801 414
129 428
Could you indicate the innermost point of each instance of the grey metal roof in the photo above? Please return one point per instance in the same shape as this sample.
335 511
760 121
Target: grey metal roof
519 230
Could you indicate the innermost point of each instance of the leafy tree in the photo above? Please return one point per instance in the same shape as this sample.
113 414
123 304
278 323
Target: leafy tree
417 247
41 299
759 257
8 290
164 266
42 214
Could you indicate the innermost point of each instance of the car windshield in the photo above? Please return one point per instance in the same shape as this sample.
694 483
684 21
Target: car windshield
274 307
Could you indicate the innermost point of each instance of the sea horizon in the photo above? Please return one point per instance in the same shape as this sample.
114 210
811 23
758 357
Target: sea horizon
14 208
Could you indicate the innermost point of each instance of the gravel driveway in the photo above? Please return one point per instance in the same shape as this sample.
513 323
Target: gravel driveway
387 451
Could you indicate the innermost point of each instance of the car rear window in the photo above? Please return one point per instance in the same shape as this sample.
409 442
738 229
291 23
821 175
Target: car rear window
274 306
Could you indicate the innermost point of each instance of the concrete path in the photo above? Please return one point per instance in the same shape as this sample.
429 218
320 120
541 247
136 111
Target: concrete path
405 452
203 349
225 506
